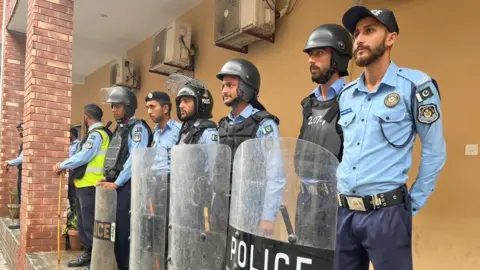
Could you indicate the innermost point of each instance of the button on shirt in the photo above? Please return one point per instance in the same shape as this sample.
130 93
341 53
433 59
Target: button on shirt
274 162
163 141
370 164
332 92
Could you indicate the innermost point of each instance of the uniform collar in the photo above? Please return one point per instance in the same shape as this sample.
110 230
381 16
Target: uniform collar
244 114
390 78
97 124
332 90
168 125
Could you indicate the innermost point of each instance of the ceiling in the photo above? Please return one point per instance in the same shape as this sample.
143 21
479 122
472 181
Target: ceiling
106 29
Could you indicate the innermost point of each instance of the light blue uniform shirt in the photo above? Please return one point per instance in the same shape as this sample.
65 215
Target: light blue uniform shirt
73 147
164 140
140 134
89 149
276 176
332 92
370 165
17 161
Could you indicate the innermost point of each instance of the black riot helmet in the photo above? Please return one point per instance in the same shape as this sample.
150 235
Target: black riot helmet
123 95
249 85
339 39
202 98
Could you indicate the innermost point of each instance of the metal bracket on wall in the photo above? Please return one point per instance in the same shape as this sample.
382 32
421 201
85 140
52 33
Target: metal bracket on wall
244 49
190 68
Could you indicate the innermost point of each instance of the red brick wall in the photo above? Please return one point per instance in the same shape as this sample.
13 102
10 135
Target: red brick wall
47 114
11 107
12 110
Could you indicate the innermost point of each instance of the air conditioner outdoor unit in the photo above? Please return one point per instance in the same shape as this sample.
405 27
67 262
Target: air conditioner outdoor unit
171 49
124 73
240 23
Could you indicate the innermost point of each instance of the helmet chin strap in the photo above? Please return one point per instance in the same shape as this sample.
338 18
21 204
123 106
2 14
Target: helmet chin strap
328 76
234 103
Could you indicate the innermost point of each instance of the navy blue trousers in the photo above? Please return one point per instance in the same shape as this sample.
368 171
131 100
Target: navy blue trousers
86 216
122 230
382 236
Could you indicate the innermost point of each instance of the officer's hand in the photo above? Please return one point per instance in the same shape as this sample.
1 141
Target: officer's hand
266 227
107 185
56 168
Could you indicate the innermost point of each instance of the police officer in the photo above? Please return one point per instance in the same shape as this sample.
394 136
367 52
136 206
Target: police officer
167 130
381 113
86 167
329 49
194 108
74 143
131 133
17 162
248 118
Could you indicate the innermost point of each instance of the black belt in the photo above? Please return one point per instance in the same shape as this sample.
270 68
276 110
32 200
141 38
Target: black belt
322 189
371 202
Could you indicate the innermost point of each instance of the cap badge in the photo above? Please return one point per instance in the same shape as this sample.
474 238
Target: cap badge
376 12
150 95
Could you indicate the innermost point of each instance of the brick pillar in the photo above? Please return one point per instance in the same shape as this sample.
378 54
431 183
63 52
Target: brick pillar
11 107
47 116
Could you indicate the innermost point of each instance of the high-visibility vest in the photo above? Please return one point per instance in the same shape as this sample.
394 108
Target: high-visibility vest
94 171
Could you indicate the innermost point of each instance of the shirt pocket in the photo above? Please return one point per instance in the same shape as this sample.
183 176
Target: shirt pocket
394 125
346 122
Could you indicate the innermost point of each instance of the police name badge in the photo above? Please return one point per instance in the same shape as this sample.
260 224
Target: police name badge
391 100
428 114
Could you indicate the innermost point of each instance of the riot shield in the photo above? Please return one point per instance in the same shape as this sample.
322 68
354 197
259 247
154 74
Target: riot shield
149 209
283 207
103 256
199 206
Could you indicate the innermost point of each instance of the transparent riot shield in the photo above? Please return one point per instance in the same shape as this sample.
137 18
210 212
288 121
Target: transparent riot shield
103 256
283 207
149 209
199 206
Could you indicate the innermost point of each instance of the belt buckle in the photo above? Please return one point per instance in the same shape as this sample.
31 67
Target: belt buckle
356 203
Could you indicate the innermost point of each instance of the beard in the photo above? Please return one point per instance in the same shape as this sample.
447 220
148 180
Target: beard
372 56
320 75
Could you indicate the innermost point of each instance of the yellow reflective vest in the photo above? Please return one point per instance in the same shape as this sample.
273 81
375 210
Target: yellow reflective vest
94 171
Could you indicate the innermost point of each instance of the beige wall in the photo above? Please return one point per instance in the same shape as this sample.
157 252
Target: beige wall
440 40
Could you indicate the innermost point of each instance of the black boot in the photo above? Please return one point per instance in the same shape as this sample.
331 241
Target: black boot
83 260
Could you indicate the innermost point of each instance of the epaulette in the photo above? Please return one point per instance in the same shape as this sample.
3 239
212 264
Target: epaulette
417 77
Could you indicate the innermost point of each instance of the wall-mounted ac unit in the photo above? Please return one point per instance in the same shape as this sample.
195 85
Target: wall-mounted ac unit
240 23
171 49
124 73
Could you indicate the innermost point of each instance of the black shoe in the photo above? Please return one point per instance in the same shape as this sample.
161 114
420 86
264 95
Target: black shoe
14 226
83 260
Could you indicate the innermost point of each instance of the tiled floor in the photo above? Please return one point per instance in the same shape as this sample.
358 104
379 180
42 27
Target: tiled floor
3 264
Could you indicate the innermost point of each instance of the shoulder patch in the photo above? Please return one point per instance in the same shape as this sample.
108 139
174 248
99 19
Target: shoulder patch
214 138
92 136
424 94
138 129
267 130
428 114
137 136
88 145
